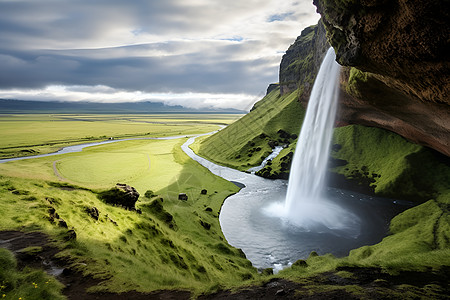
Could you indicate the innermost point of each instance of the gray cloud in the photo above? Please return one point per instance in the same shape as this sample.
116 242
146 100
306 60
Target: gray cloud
177 46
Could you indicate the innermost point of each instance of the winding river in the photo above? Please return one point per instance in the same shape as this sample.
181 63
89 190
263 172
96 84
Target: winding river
269 242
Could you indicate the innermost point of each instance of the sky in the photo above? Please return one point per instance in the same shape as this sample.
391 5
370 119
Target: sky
195 53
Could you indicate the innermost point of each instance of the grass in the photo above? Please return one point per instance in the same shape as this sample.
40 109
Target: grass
39 133
393 166
26 284
172 244
245 143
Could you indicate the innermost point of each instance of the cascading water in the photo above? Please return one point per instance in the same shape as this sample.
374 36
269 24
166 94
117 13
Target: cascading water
305 204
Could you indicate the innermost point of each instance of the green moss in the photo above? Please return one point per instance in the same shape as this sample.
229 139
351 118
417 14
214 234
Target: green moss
388 163
355 79
237 145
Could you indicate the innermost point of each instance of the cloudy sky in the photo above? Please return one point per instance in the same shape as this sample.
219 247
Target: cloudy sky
197 53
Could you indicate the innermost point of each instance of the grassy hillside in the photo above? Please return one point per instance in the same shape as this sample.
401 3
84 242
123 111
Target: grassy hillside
389 164
246 143
170 244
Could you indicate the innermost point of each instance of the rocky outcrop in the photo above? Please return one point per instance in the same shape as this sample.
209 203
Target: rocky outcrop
405 42
302 60
122 194
400 78
368 101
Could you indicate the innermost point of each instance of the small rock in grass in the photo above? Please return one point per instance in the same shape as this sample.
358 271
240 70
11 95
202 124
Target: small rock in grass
182 196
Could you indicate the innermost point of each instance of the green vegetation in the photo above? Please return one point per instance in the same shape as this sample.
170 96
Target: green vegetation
419 239
356 78
23 135
171 244
391 165
26 284
246 143
166 243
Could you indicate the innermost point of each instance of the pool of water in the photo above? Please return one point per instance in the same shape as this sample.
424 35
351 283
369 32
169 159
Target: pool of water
270 242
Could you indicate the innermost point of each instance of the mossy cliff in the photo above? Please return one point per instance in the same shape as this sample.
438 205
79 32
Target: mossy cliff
301 62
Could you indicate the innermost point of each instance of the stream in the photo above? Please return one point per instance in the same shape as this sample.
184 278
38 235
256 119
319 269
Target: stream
269 242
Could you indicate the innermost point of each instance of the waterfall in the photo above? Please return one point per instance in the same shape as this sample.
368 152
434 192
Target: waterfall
306 205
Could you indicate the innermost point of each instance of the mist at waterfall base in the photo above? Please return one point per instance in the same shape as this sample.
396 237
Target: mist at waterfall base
306 206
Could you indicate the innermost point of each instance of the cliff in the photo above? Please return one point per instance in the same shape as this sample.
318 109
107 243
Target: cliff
397 73
301 62
404 169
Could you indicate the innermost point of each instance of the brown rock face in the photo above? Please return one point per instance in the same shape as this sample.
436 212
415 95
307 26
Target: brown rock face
372 103
402 47
404 41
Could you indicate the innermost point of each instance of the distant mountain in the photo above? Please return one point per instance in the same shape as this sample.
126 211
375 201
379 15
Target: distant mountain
8 106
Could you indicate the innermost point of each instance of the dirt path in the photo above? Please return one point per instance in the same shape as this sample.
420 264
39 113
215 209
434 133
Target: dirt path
57 174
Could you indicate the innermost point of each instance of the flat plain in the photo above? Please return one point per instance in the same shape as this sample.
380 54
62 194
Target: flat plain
30 134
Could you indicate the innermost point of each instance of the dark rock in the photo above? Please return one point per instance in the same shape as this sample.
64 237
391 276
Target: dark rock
209 209
271 87
272 144
62 223
149 194
122 194
182 196
204 192
70 235
205 225
93 212
393 53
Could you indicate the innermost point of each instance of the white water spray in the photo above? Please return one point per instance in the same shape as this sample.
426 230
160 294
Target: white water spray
305 205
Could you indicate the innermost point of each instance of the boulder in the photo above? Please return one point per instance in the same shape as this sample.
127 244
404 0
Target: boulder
182 196
204 192
122 194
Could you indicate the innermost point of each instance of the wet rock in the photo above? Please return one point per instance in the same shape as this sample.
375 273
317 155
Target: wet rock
272 144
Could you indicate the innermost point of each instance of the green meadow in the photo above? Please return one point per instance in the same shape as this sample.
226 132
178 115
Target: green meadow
166 244
31 134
